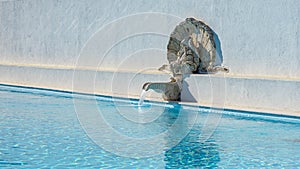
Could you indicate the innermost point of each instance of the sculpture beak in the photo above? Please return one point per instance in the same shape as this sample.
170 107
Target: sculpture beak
146 86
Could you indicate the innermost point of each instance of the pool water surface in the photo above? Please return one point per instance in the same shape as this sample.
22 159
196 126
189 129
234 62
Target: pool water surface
42 129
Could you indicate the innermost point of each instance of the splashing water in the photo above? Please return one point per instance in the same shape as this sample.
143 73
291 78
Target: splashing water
142 97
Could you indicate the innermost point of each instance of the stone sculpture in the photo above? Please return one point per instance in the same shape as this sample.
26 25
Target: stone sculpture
191 49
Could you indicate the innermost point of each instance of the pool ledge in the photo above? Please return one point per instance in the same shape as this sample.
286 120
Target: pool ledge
270 95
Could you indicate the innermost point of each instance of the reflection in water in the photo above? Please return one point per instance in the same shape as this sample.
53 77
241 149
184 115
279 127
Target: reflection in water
190 152
174 134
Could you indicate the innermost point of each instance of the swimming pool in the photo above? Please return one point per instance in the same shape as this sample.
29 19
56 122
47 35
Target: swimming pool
40 129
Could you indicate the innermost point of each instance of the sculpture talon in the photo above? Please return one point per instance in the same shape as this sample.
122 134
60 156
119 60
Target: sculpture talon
191 49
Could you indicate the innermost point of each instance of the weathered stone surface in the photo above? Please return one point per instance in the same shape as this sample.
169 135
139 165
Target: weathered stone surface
192 48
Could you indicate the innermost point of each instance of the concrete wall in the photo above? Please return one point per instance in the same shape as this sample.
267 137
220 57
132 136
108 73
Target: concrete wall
259 41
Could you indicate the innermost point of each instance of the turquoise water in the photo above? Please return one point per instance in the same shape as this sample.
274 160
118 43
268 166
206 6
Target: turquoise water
40 129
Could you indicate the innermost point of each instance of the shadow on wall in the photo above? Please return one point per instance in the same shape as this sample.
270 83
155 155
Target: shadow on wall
187 93
219 55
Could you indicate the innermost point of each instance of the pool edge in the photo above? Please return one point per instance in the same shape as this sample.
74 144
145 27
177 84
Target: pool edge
188 104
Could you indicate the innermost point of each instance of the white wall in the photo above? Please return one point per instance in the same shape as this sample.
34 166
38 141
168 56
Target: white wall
259 39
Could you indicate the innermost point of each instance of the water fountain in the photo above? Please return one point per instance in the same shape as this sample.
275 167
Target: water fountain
191 49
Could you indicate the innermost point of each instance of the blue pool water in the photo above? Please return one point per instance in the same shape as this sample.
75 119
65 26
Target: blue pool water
43 129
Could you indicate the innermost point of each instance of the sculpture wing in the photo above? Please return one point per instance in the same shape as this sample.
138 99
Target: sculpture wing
197 37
